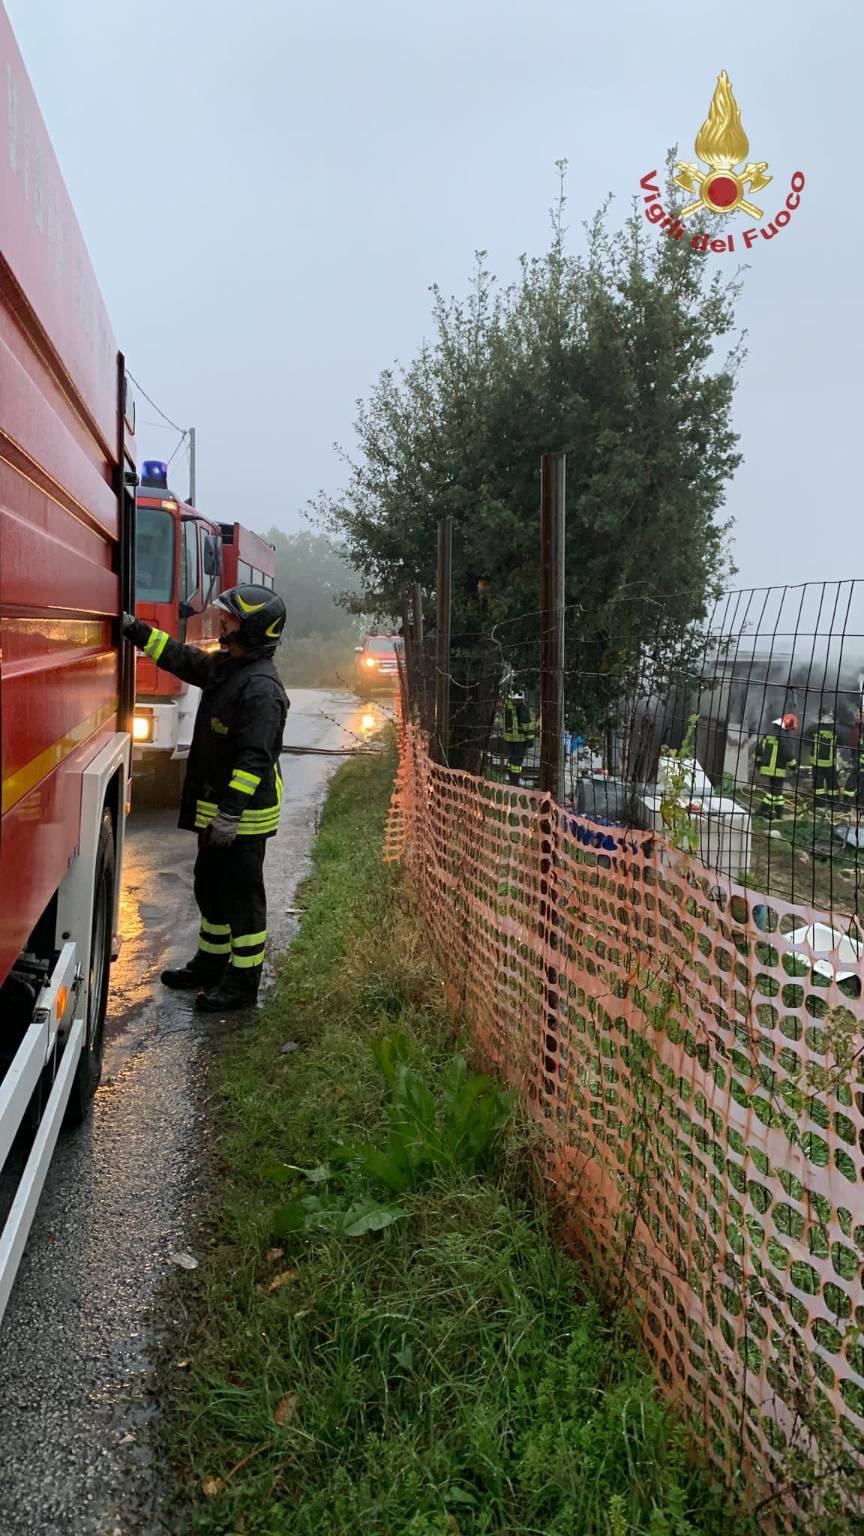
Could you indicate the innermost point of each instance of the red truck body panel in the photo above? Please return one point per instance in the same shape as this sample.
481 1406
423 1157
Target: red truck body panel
246 557
61 419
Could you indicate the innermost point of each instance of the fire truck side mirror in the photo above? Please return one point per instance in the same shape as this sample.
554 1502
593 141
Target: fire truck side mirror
211 555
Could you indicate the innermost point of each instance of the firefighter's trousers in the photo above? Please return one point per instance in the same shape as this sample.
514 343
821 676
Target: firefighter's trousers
229 890
824 782
773 803
516 751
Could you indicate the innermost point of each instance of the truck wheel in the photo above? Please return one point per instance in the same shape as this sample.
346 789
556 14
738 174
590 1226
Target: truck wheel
89 1068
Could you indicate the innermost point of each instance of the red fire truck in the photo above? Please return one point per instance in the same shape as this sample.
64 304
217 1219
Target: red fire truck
246 557
183 562
66 692
177 581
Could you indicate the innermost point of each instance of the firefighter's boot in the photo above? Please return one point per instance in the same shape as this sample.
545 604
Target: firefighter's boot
238 989
203 971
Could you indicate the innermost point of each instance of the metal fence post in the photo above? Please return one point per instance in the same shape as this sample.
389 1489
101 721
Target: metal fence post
552 500
421 670
417 610
408 665
552 503
443 601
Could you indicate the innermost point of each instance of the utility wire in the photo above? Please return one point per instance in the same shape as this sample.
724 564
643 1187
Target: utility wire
183 437
153 403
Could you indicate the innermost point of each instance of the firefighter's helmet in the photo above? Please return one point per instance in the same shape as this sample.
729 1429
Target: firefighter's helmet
826 717
262 616
790 722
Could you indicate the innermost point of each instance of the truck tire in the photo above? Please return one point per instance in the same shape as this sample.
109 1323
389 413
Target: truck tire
89 1069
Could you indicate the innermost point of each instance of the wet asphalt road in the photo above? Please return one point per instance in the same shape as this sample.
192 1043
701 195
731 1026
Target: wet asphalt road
75 1344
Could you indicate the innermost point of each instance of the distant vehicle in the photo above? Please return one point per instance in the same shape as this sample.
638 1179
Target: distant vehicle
377 664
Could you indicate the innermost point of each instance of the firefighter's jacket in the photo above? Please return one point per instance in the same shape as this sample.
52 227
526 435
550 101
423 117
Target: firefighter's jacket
233 763
775 754
823 748
519 724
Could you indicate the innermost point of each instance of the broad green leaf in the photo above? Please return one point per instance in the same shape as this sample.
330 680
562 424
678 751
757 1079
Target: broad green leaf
288 1218
369 1216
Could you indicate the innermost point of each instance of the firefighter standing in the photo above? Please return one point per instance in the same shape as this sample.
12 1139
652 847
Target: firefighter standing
774 755
823 759
233 788
519 731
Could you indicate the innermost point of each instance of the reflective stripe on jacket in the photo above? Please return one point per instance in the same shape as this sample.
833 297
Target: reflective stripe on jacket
518 724
769 763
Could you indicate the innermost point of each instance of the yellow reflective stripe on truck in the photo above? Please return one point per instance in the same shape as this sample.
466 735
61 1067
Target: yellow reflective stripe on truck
18 784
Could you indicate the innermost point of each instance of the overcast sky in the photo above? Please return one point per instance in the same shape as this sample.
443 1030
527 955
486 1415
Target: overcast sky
268 188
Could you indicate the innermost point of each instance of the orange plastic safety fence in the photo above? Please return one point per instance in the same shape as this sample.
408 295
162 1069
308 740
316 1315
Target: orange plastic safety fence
693 1052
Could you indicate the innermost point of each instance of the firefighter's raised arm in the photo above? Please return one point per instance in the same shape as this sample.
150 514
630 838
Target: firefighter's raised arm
185 661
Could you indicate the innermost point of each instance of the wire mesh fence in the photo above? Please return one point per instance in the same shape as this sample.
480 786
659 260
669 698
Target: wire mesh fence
693 1054
667 960
738 736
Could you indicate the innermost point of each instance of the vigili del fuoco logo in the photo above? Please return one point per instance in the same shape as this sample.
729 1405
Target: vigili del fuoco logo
721 145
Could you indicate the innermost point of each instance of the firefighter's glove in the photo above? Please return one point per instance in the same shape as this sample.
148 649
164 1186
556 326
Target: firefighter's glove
222 830
129 625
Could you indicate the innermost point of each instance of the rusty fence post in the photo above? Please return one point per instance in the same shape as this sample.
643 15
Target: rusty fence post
552 527
443 602
552 505
407 663
420 667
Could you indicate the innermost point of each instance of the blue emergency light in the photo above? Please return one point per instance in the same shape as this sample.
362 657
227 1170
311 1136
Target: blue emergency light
154 472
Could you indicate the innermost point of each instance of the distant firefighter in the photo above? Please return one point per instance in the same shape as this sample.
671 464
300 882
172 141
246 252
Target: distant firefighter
775 754
824 749
520 730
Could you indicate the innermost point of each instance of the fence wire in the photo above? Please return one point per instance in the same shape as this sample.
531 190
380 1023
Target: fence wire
739 737
668 964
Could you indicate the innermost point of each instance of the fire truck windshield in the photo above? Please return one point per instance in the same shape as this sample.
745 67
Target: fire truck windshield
154 555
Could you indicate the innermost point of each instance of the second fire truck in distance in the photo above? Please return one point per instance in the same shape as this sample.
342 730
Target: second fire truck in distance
183 562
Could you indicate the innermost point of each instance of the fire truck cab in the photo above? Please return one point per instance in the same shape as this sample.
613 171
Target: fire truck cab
178 578
183 562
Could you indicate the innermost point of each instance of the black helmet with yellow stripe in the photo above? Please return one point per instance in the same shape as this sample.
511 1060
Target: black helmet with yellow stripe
261 613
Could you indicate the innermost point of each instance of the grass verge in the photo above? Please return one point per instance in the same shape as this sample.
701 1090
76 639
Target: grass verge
445 1376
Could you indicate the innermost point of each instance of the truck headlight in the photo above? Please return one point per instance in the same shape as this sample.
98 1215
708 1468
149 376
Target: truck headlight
142 728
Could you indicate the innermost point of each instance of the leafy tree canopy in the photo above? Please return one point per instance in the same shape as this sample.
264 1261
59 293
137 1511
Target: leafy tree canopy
612 356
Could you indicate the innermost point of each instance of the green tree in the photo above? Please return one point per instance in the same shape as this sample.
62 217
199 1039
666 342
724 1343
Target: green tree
313 576
611 356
